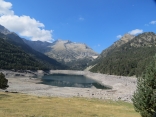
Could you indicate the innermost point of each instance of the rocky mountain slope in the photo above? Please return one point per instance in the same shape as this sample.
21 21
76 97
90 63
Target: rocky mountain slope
75 55
14 39
127 58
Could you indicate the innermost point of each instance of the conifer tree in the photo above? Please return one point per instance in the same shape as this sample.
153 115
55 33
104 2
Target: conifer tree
144 99
3 81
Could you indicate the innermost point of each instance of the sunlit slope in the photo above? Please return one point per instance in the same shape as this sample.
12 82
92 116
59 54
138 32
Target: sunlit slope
130 58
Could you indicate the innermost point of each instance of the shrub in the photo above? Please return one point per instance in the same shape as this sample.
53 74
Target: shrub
3 81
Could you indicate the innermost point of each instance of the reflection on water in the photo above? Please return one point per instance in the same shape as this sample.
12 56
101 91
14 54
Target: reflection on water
62 80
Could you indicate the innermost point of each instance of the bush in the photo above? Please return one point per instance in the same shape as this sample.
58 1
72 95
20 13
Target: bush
144 99
3 81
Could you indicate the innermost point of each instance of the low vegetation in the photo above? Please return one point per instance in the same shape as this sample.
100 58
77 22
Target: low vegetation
20 105
3 81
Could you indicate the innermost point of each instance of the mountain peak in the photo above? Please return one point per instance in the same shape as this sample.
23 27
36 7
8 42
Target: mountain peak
62 41
75 55
4 30
124 39
127 37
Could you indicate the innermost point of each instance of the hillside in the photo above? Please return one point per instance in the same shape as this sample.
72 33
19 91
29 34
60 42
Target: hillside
74 55
14 39
129 58
12 57
126 38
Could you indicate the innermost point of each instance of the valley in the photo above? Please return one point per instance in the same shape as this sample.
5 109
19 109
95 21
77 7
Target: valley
124 58
77 58
26 64
74 55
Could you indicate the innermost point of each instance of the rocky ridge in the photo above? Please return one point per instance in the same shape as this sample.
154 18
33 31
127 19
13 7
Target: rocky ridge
124 39
75 55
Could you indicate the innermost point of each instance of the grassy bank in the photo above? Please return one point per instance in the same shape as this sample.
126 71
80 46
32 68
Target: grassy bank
20 105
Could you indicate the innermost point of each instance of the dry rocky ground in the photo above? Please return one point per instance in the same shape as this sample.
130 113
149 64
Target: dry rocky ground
122 87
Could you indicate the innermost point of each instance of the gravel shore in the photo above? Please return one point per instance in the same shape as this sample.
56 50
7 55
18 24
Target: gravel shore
122 87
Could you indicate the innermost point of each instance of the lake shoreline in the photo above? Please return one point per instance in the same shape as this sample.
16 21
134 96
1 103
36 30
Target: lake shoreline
122 87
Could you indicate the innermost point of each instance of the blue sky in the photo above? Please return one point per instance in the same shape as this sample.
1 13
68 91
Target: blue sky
97 23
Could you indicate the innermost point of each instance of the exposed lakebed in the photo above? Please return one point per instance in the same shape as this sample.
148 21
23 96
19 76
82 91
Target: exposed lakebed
122 88
64 80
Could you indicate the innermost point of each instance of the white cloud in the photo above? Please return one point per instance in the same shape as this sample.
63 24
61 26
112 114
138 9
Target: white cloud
135 31
81 19
23 25
118 36
5 8
153 22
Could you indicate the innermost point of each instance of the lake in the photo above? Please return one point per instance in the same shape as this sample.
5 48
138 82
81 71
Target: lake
63 80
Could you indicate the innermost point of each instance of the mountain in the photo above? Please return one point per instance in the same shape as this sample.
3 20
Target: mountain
38 45
12 57
128 56
126 38
4 30
74 55
14 39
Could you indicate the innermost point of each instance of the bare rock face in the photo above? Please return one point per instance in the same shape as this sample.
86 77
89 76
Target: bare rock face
146 39
75 55
69 51
127 37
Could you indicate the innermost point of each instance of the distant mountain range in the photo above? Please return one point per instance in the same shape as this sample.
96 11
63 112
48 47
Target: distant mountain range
57 55
13 39
128 56
74 55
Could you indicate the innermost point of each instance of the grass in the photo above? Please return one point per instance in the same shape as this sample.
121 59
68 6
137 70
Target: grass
20 105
